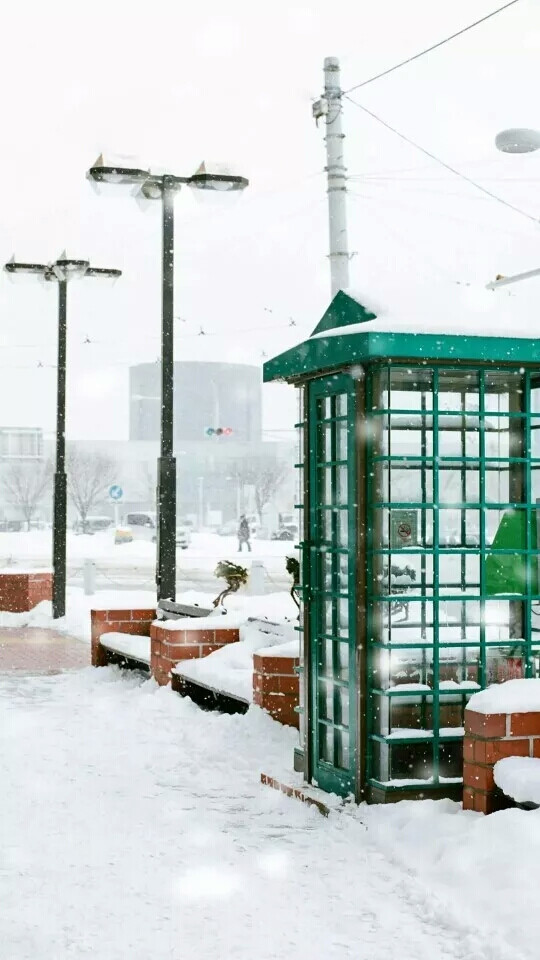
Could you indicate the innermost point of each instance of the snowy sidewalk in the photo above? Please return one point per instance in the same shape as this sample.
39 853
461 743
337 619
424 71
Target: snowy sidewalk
134 825
34 650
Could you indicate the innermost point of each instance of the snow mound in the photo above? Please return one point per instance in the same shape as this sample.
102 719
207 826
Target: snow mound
289 649
513 696
138 648
519 778
230 670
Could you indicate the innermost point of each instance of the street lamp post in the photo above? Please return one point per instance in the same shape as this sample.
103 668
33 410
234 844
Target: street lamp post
163 187
62 271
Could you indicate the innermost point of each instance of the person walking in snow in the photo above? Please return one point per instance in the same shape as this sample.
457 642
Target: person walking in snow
243 534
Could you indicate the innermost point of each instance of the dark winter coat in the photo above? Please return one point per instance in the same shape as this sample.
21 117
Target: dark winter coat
243 530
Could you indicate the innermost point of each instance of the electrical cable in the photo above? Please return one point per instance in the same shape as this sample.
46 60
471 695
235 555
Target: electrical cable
92 342
417 187
417 208
442 163
406 242
434 46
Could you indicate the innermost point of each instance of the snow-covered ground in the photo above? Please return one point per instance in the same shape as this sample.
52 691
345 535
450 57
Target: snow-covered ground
34 548
278 607
134 825
132 565
76 623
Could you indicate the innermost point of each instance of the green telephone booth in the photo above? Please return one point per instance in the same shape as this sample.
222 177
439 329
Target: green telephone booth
419 480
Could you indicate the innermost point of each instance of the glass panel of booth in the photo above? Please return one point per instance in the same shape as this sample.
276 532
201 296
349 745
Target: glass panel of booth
452 555
299 506
331 472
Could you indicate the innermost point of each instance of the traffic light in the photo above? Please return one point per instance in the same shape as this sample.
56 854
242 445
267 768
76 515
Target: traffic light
218 431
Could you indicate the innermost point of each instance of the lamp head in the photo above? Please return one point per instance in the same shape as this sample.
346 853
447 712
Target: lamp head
65 269
217 177
120 171
518 140
14 267
152 189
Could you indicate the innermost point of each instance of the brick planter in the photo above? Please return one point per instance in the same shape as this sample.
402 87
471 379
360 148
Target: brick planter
21 592
276 686
489 738
170 645
135 622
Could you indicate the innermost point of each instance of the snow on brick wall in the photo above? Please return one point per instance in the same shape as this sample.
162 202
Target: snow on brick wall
502 721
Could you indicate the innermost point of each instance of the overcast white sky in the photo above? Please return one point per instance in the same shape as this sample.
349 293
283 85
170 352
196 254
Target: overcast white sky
178 83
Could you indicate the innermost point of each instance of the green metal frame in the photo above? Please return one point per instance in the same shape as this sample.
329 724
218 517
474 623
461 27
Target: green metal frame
330 579
436 742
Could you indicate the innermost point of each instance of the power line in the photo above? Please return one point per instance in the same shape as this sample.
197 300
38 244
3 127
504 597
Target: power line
435 46
443 163
97 341
431 212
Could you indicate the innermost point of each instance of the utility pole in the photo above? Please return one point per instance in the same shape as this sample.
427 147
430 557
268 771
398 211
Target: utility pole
329 107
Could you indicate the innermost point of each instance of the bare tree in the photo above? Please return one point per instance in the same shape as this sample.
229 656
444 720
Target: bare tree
265 474
25 485
88 476
147 483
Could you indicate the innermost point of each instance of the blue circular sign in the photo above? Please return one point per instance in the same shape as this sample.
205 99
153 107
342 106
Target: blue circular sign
116 492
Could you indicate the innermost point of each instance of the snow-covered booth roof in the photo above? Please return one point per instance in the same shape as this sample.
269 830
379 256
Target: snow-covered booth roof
349 333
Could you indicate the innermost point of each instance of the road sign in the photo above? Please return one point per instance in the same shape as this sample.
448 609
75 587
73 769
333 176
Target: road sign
116 492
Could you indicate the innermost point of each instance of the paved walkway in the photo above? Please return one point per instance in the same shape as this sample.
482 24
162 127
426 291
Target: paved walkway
133 825
35 650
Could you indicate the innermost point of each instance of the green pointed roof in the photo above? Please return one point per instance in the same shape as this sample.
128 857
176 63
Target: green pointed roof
343 347
343 312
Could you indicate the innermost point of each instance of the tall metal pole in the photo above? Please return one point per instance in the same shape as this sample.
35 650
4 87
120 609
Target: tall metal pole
60 481
166 488
336 173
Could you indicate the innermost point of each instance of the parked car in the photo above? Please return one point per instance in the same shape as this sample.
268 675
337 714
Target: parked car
11 526
123 535
288 531
229 529
92 525
143 525
183 537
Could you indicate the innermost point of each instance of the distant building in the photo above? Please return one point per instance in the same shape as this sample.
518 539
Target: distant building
20 448
206 396
21 443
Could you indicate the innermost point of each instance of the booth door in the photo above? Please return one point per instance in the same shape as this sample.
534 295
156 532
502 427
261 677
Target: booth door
332 595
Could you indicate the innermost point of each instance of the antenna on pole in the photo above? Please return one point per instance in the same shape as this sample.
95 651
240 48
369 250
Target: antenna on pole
329 107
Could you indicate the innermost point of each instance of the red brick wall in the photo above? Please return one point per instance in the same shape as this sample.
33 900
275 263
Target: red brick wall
169 646
20 592
489 738
136 622
276 687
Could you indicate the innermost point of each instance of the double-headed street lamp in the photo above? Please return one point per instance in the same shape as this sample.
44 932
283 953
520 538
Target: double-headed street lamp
163 187
62 271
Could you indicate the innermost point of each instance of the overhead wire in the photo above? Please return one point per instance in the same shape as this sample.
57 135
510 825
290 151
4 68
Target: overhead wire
405 242
291 323
442 163
417 187
434 46
430 212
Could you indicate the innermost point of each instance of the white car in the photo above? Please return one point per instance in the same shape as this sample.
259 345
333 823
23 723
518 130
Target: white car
183 537
142 525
